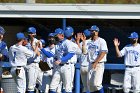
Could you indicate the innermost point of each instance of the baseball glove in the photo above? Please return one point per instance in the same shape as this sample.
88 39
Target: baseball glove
44 66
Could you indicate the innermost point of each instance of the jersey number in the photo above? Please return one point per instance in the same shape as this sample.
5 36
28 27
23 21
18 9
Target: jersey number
14 56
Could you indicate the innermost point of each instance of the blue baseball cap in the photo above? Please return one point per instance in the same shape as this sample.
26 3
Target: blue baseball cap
134 35
70 29
20 35
51 34
94 28
42 41
32 30
2 31
58 31
68 33
87 33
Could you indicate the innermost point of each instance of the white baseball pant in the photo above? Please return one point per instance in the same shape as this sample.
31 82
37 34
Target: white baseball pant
19 79
84 75
64 74
95 77
32 75
131 79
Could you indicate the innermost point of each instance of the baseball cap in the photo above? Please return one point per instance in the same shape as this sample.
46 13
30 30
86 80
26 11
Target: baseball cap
20 35
70 29
51 34
95 28
134 35
2 31
58 31
32 30
68 33
87 33
42 41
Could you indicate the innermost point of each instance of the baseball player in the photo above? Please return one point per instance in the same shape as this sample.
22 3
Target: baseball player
18 55
64 52
131 53
86 38
97 51
68 33
33 69
3 51
47 77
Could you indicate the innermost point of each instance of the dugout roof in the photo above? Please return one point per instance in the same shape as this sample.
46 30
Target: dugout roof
86 11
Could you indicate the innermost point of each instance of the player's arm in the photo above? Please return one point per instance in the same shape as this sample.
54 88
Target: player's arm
102 53
4 53
84 50
65 59
71 52
116 44
47 53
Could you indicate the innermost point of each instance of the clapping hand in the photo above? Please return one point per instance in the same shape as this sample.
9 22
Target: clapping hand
116 42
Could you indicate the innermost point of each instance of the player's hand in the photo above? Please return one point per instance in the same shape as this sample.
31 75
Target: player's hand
39 44
94 65
116 42
83 37
57 62
77 37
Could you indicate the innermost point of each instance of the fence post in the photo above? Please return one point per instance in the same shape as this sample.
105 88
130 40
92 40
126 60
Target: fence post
77 78
64 23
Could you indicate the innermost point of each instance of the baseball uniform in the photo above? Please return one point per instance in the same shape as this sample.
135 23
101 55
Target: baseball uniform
18 55
131 55
95 76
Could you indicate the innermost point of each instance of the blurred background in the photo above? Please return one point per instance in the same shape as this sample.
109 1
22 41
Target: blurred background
77 1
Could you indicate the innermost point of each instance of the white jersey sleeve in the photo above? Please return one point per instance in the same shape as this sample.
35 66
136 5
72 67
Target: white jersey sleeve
103 45
123 51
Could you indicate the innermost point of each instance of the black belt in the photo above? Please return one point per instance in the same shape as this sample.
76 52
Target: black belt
133 66
98 62
63 64
52 68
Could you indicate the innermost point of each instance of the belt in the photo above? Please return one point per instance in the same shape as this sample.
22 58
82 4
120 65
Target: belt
98 62
19 66
52 68
64 64
133 66
84 66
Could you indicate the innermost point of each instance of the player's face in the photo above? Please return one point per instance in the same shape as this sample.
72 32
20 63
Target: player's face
60 37
133 40
51 40
31 35
94 33
25 42
1 36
